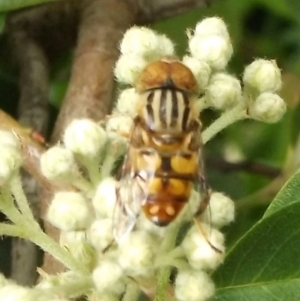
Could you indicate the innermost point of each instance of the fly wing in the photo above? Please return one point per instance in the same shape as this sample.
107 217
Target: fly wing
124 218
137 171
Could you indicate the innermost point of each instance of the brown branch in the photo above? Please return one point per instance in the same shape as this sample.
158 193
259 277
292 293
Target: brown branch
32 111
89 94
31 150
151 11
245 166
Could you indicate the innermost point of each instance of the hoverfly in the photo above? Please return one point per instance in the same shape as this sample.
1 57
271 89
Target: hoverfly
164 158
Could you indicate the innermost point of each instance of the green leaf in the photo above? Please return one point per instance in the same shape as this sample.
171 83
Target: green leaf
276 291
7 5
264 264
289 193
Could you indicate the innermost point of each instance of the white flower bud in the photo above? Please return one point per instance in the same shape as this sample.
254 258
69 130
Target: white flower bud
139 41
204 248
165 48
263 76
58 163
212 26
105 198
144 224
108 277
128 68
137 253
193 286
13 292
200 69
84 137
224 91
105 296
120 124
214 49
194 204
220 211
77 244
69 211
117 145
101 234
8 138
3 280
10 162
127 102
52 281
267 107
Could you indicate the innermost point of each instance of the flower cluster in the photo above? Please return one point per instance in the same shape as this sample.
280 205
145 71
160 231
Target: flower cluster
108 254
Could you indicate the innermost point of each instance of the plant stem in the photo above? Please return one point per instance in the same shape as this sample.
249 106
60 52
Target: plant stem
10 230
162 284
167 259
17 190
82 184
50 246
7 206
132 292
71 289
164 273
107 166
226 119
93 170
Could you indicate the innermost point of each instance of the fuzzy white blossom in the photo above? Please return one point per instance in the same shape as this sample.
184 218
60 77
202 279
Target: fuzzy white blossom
212 26
204 248
58 163
117 145
3 280
140 41
193 285
120 124
144 224
105 198
267 107
200 69
13 292
69 211
9 138
165 48
262 76
213 49
224 91
145 42
128 68
220 211
108 277
101 234
127 102
76 242
10 162
137 253
84 137
50 281
106 296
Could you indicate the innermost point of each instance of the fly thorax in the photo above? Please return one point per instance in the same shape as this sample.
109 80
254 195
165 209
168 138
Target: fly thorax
166 110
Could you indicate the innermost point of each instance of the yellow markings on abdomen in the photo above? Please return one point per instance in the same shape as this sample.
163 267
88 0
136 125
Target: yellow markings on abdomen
184 164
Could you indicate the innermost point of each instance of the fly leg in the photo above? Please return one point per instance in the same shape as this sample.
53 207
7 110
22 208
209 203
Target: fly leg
204 205
196 144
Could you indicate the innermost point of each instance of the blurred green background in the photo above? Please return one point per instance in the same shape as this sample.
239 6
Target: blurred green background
259 28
